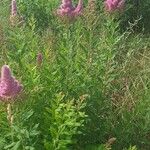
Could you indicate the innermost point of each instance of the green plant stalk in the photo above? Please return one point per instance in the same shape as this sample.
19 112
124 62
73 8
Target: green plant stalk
10 118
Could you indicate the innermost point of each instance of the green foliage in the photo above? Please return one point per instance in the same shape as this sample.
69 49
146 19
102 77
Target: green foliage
132 148
135 10
63 118
40 10
99 68
20 135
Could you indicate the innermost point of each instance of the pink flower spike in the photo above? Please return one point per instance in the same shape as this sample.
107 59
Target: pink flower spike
79 8
113 5
9 86
13 8
67 9
39 59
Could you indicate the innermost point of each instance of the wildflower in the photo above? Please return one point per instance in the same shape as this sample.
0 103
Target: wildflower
9 86
113 5
78 9
39 59
15 19
13 8
67 9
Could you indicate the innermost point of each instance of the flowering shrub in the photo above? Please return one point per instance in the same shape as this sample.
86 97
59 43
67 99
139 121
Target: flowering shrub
85 82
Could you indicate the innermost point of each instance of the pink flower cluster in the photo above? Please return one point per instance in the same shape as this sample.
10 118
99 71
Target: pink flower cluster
67 9
13 8
9 86
113 5
15 19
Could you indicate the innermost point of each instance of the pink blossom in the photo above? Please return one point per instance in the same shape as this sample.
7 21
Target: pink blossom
67 9
79 8
13 8
9 86
113 5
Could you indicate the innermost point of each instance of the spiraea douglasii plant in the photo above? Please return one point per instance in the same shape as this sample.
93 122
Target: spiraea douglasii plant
74 75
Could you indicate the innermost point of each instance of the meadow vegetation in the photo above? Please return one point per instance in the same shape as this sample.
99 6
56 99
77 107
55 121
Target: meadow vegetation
85 81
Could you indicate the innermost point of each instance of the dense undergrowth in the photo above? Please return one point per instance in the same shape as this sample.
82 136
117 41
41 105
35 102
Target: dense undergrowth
91 91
